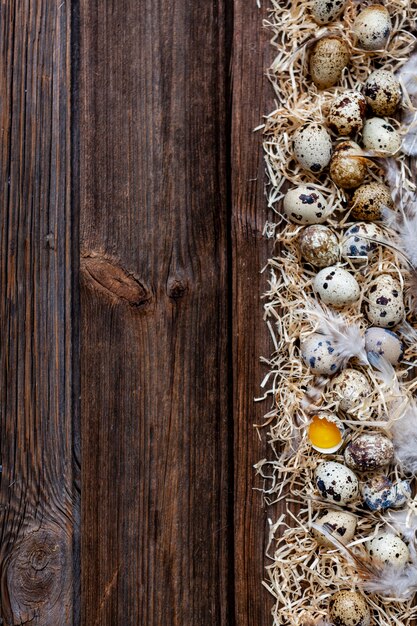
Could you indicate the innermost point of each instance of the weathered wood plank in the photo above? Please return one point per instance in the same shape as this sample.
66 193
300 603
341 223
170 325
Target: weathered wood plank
154 314
38 511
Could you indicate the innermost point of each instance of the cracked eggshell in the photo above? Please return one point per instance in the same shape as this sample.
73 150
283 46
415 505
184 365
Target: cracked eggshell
380 135
372 27
382 92
312 147
384 342
305 205
357 245
369 200
380 493
326 437
385 307
335 286
339 523
325 11
328 58
351 388
347 113
369 452
319 246
319 354
336 482
388 549
347 169
349 608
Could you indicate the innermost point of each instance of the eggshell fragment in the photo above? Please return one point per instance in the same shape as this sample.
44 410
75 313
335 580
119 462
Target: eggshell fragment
335 286
351 388
347 113
385 307
336 482
382 92
369 200
319 354
348 168
359 241
372 27
319 246
388 549
305 205
312 147
384 342
349 608
329 56
368 452
380 135
380 493
325 11
339 523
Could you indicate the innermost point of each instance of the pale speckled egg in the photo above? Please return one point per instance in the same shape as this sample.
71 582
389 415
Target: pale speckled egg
372 27
336 482
382 92
380 135
380 493
328 58
388 549
312 147
385 307
369 200
325 11
305 205
351 388
369 452
384 342
320 355
338 523
349 608
357 243
348 168
335 286
347 113
319 246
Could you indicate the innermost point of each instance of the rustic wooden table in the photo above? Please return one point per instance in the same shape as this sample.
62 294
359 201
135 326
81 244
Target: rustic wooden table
131 325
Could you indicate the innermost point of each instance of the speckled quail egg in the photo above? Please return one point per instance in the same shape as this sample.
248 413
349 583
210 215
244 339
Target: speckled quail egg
382 92
368 452
339 523
347 113
328 58
312 147
384 342
305 205
349 608
359 241
326 432
351 388
319 246
335 286
325 11
388 549
369 200
380 135
380 493
319 354
347 167
385 307
336 482
372 27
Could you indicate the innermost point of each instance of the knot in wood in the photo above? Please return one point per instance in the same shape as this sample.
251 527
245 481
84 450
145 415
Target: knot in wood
176 288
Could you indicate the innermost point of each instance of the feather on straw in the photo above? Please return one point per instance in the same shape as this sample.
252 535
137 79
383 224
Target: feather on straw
404 432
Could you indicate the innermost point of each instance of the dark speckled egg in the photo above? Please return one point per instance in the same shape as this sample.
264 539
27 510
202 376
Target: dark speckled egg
385 307
347 113
349 608
368 452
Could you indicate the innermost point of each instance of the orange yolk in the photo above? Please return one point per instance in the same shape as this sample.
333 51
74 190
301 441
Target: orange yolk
323 433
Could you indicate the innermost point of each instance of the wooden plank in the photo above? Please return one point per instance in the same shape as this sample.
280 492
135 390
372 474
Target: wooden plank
252 98
38 510
154 313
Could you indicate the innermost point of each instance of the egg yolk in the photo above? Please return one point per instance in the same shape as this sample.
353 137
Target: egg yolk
323 433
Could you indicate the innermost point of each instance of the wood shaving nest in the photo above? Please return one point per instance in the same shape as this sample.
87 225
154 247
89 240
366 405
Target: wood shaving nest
302 575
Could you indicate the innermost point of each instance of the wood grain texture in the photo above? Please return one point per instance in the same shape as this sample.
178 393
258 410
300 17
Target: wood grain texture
154 356
38 509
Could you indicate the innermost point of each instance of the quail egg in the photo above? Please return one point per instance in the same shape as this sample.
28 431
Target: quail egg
369 451
305 205
319 246
388 549
328 58
336 482
339 523
385 306
382 92
349 608
312 147
325 11
347 113
351 388
335 286
384 342
319 354
380 135
380 493
372 27
369 200
326 432
347 167
359 241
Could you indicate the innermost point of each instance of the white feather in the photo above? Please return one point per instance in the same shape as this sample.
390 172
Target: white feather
385 370
407 76
405 523
394 583
404 433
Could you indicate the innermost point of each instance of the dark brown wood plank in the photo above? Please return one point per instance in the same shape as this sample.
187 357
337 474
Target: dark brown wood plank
154 313
38 510
252 98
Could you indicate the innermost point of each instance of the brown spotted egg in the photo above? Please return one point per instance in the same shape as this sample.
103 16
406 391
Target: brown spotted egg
384 342
339 523
359 241
368 452
325 11
319 354
305 205
328 58
372 27
351 388
380 135
369 200
335 286
347 113
349 608
385 307
382 92
319 246
348 168
312 147
388 549
336 482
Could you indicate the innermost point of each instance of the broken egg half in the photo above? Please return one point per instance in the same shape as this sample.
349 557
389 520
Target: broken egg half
326 433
